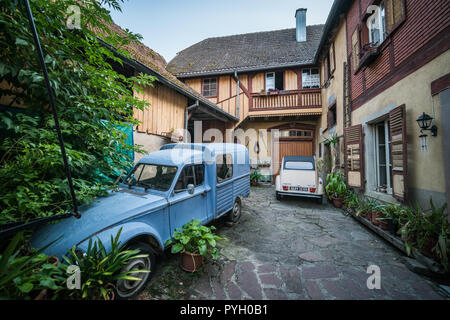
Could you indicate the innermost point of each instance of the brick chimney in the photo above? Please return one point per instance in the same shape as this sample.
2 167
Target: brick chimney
300 17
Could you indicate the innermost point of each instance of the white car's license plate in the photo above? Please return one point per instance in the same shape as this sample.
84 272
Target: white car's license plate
298 189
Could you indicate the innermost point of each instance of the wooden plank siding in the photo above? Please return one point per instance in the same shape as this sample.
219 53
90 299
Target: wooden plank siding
255 99
166 110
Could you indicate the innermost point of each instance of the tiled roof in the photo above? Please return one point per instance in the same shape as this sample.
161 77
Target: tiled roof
156 63
247 51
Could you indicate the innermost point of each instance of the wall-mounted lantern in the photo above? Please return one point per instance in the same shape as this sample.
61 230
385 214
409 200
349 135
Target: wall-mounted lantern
424 122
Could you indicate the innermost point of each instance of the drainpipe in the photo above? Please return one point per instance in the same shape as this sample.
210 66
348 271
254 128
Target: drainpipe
186 116
237 93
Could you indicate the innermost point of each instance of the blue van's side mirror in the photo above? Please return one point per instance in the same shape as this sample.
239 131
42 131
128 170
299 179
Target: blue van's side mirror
190 188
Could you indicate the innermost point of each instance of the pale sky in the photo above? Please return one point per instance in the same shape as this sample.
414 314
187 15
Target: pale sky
169 26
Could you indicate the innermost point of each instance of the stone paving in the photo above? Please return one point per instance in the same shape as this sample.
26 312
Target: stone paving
293 249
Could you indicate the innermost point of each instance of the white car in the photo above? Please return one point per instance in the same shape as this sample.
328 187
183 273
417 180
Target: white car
298 177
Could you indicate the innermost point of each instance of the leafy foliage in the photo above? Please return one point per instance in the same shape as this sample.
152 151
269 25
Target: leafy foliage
100 269
92 100
419 226
336 186
24 274
195 238
256 176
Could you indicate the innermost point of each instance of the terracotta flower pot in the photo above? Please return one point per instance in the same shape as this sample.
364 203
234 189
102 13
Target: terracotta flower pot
375 216
337 202
191 262
383 224
427 249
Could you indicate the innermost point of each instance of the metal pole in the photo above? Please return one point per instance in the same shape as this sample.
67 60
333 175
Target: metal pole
52 104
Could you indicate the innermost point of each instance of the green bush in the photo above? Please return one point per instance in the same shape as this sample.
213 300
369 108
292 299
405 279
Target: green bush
92 101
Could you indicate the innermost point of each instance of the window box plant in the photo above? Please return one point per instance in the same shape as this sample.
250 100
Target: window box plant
369 52
195 242
336 188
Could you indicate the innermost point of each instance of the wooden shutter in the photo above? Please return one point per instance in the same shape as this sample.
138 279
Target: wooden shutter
325 69
354 156
395 14
355 48
397 130
332 58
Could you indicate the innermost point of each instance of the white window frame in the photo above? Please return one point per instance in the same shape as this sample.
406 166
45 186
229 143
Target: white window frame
272 87
210 87
310 81
387 144
378 18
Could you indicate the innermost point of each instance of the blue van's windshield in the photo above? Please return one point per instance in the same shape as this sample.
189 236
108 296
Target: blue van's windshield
151 176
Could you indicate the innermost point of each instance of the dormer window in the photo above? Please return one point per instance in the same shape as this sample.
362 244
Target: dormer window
209 87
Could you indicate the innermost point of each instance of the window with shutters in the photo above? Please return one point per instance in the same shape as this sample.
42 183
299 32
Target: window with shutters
332 59
382 159
397 132
355 49
354 156
376 26
395 14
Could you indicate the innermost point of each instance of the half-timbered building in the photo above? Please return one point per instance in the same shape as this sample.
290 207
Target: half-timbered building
268 80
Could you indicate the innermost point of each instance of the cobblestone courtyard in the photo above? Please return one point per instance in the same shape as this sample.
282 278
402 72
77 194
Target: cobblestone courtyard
292 249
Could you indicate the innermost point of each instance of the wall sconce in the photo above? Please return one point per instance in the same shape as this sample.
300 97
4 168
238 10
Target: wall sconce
424 122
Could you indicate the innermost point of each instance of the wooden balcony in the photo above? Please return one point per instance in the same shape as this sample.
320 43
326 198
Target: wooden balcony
286 100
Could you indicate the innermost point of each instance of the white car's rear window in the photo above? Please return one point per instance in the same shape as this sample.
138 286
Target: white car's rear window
298 165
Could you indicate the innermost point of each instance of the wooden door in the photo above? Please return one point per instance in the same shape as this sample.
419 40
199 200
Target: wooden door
292 148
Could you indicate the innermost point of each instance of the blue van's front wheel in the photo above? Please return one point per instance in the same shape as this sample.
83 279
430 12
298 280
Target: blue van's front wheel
235 214
127 289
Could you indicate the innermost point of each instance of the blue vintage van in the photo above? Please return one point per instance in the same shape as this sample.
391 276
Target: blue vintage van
165 190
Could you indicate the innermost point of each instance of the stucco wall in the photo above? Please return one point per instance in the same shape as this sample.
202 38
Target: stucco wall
332 93
425 170
149 143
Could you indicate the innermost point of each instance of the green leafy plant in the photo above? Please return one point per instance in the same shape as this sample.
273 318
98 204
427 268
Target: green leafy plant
332 141
336 187
93 102
101 269
428 230
351 199
256 176
24 274
393 212
195 238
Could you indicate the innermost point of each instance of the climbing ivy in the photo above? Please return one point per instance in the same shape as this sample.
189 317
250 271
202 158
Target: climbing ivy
92 102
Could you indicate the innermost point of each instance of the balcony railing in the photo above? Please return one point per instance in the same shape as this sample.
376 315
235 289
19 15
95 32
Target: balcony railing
282 100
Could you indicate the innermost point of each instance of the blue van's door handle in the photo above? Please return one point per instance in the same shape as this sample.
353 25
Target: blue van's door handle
204 193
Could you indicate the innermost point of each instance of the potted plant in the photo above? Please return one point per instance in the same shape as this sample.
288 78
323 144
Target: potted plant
432 230
336 188
194 241
376 215
351 200
255 177
392 214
